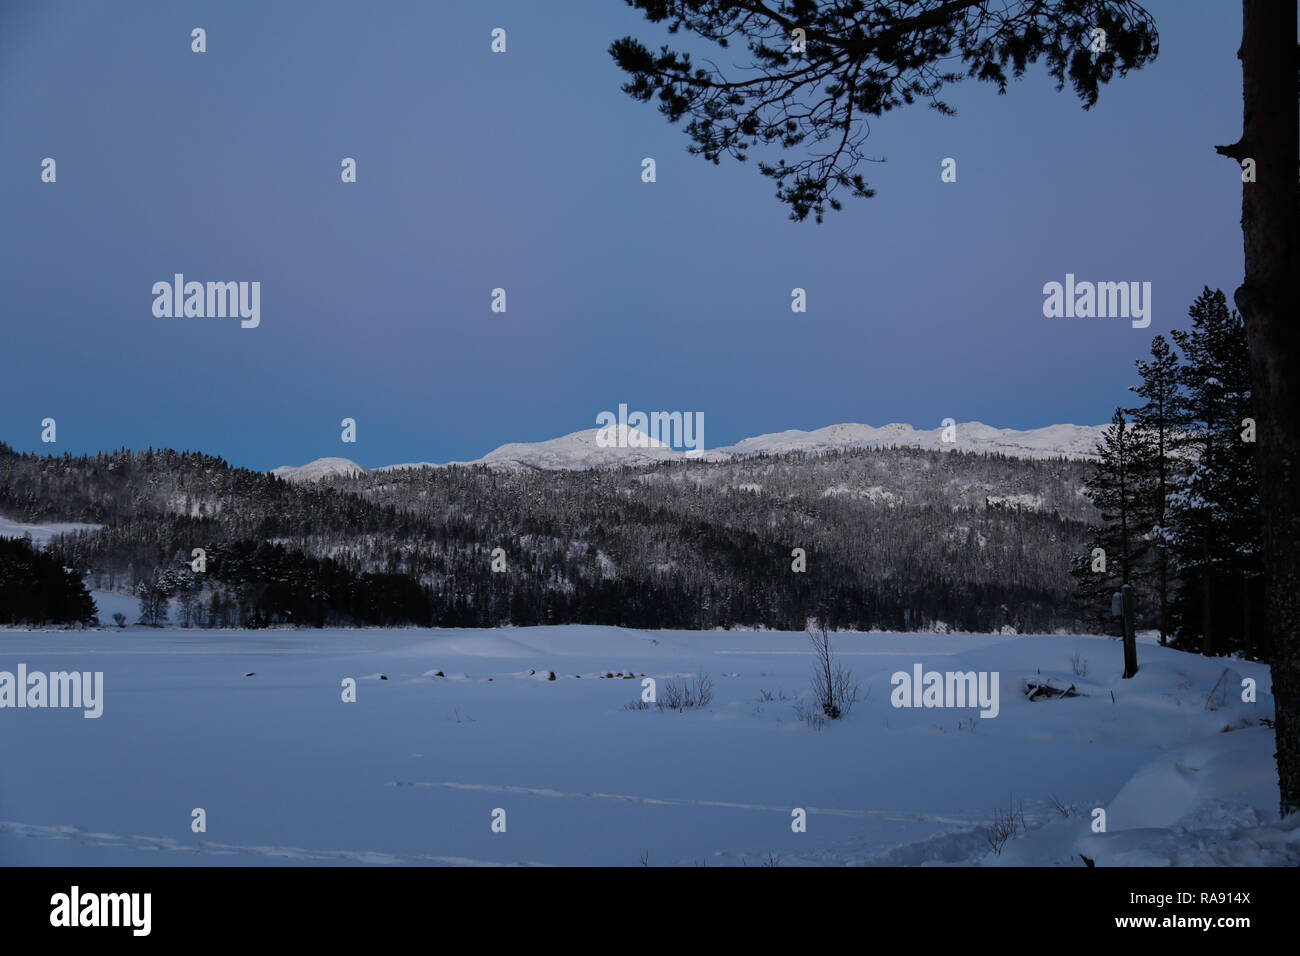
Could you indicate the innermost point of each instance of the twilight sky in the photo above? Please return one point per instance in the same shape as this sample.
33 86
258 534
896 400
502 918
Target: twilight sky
522 170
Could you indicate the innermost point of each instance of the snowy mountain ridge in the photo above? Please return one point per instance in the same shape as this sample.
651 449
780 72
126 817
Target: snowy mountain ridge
581 450
320 468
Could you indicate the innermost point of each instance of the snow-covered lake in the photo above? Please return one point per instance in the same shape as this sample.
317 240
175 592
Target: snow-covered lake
288 773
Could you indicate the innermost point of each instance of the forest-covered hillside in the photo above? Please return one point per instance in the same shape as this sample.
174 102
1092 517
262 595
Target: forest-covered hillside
893 538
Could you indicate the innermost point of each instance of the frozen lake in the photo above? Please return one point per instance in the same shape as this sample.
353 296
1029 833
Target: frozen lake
412 771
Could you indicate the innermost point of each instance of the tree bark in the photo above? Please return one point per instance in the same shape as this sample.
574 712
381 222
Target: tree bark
1270 305
1160 509
1130 632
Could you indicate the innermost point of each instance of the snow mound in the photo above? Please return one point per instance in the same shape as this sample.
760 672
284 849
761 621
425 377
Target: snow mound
1192 786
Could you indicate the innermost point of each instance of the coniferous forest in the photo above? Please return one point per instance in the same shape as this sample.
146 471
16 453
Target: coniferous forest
35 588
894 538
1177 493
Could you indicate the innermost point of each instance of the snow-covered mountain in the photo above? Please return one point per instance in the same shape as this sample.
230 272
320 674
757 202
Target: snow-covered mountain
579 450
624 446
1071 441
320 468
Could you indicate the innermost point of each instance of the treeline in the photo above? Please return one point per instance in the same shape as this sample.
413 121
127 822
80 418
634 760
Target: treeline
892 538
251 584
1177 491
35 588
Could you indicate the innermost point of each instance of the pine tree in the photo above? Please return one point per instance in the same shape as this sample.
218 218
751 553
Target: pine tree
1120 487
1162 418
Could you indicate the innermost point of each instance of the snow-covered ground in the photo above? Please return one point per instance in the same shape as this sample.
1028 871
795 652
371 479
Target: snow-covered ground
108 603
410 773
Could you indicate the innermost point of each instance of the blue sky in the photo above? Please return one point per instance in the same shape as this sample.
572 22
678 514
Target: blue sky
522 171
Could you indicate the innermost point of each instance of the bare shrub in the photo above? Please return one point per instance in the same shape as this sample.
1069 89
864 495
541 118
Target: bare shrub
1079 664
1210 702
766 696
834 688
1006 824
671 695
811 716
1060 807
686 694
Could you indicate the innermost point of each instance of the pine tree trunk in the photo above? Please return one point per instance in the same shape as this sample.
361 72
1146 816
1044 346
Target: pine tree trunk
1130 632
1207 603
1247 642
1269 302
1164 590
1162 549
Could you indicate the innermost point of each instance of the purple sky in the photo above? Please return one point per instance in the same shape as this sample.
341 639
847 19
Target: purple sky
522 170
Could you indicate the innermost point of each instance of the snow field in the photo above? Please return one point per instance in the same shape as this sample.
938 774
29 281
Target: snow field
411 772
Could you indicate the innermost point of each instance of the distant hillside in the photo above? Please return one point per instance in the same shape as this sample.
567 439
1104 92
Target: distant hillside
894 538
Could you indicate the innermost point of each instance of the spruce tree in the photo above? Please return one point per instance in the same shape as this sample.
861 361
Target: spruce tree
1213 512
